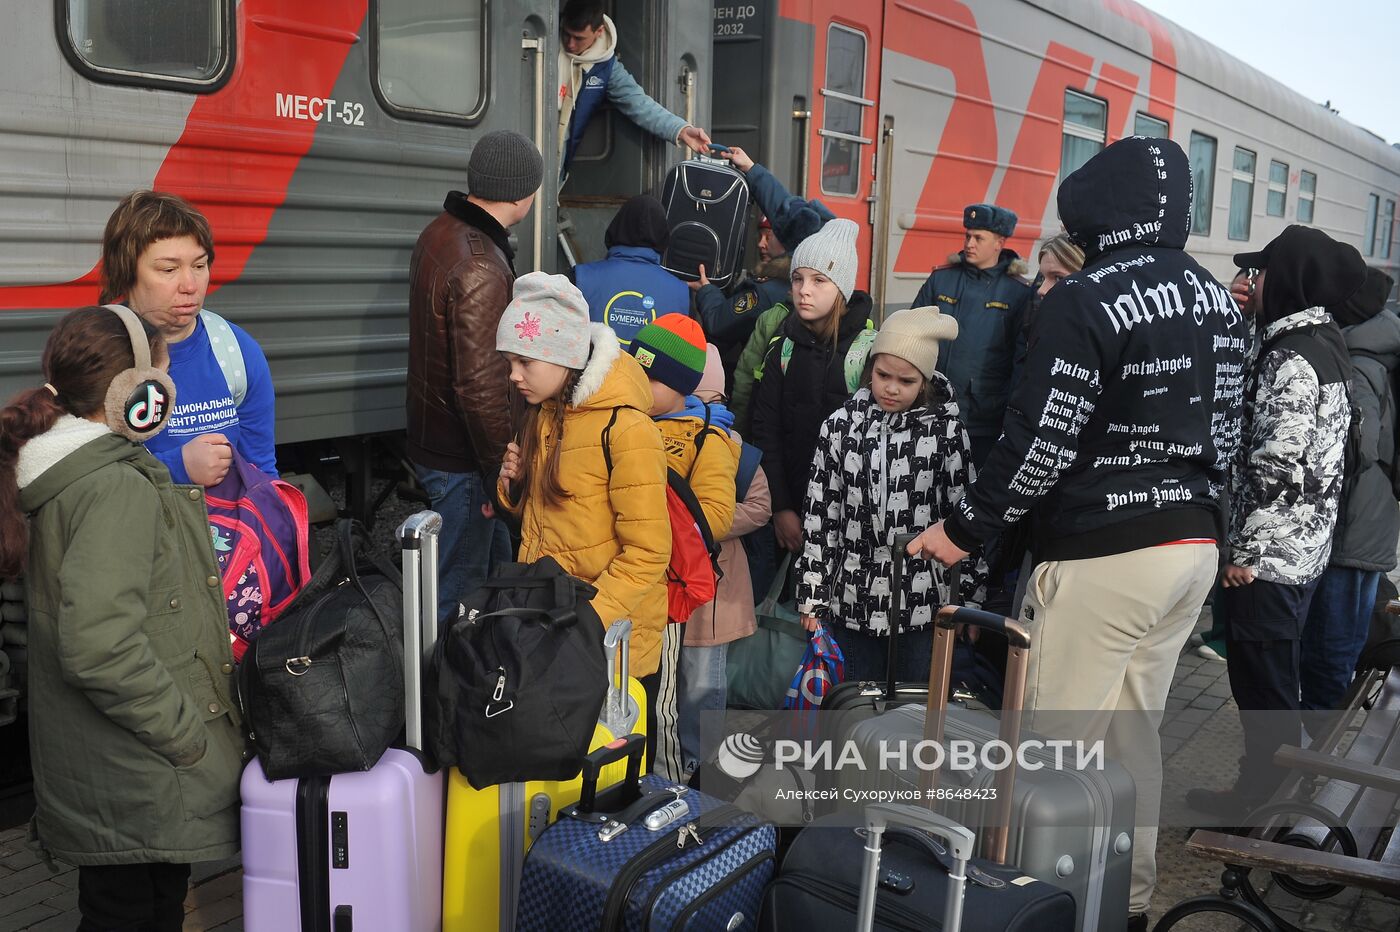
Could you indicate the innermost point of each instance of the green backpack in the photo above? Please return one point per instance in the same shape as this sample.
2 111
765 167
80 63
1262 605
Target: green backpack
856 355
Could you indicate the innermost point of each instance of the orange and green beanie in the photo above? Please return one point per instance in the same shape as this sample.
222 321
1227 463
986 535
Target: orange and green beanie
672 351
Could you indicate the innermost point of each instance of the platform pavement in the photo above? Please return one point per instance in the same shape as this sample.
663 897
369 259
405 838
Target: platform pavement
1198 731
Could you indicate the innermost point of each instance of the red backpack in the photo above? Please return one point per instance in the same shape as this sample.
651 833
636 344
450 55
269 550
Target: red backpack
693 574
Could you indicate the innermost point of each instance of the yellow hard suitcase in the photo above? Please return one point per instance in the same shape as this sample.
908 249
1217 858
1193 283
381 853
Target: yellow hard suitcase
489 830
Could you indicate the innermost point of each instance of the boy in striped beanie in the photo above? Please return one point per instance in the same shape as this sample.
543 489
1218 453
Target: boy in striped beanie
671 351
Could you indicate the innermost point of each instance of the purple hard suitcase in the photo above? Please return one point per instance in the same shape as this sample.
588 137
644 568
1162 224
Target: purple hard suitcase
356 851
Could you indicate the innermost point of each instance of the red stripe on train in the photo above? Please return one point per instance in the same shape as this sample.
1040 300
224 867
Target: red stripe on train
236 158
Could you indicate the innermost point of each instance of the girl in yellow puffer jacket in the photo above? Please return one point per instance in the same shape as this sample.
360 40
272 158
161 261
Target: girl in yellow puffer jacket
609 529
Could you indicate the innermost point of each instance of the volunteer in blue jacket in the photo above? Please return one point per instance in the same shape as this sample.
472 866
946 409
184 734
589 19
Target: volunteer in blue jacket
982 289
589 73
157 250
629 289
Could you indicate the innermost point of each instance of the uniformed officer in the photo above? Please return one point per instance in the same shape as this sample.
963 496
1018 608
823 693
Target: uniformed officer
983 288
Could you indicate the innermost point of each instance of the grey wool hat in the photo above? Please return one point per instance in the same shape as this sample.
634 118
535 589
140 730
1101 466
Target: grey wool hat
546 319
913 335
832 252
504 166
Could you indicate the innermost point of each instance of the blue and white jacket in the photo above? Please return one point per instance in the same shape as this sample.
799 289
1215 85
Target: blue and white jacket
586 80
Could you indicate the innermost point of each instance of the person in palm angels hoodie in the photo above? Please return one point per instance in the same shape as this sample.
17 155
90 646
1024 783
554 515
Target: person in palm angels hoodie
1115 446
1284 494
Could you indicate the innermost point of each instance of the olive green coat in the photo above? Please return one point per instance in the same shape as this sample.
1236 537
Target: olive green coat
132 724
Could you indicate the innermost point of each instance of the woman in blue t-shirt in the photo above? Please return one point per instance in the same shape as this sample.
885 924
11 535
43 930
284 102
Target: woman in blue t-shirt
156 254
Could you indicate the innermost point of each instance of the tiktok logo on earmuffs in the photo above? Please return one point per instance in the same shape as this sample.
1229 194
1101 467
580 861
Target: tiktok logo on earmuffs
146 406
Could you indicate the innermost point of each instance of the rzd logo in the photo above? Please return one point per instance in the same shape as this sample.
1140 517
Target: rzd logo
146 408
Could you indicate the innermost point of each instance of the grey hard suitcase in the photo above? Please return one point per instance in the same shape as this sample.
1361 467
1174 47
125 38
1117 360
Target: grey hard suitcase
1070 827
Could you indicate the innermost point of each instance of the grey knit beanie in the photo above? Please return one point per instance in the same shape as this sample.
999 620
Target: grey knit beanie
913 334
832 252
505 166
547 318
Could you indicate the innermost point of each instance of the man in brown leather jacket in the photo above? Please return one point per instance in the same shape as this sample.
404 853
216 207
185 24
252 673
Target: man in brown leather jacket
460 281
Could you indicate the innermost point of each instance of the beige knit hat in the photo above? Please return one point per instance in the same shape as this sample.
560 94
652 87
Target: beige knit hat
913 334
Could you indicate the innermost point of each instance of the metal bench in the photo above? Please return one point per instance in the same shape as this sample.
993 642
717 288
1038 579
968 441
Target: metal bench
1317 845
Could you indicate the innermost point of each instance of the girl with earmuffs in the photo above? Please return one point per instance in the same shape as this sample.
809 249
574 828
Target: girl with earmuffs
133 731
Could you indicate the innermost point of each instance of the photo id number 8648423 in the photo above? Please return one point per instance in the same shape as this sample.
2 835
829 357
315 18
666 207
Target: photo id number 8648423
961 793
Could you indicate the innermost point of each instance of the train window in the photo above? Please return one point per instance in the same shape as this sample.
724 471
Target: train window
1368 241
431 58
1386 229
1278 188
184 44
843 110
1389 228
1086 129
1147 125
1242 194
1202 182
1307 191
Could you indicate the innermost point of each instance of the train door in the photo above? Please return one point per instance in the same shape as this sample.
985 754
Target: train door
665 47
843 128
806 91
934 100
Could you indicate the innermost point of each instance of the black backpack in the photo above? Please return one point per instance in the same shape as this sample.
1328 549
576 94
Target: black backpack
517 680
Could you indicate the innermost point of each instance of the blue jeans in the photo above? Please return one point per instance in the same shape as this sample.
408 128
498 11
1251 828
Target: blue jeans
1339 620
867 655
702 686
471 544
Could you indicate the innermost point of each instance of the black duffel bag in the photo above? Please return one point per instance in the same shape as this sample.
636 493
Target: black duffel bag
322 688
517 681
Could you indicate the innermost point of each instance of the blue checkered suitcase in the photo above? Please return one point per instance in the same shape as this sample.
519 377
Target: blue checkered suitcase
606 864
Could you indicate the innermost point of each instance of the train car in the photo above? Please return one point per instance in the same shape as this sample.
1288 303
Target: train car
320 138
897 113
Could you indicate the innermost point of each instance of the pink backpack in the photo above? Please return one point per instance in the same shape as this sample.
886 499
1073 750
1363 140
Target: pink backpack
260 531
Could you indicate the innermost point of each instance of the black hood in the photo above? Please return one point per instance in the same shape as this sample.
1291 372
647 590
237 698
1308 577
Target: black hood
1367 302
1305 268
1137 192
639 222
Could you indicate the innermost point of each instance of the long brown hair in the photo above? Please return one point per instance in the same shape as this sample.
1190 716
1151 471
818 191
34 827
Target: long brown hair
551 489
142 218
86 350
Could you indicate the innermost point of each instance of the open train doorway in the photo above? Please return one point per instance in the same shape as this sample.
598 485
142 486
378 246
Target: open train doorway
666 48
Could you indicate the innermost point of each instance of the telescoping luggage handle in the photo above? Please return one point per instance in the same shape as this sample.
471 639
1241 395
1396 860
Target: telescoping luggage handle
960 841
419 538
1018 656
620 712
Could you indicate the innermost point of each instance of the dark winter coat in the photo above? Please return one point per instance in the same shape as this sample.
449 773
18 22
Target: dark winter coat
132 719
1369 523
990 306
460 279
789 407
877 474
1128 410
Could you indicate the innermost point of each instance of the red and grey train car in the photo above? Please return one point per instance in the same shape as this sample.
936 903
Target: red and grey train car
319 138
